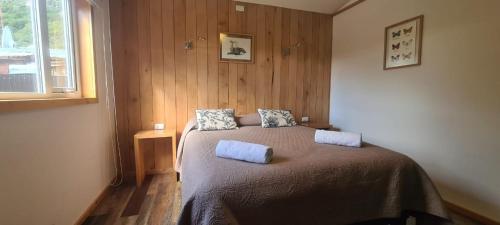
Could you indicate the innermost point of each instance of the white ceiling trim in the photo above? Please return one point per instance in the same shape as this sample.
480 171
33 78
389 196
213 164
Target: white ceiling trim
320 6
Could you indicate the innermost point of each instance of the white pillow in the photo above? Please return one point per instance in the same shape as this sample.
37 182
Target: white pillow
276 118
216 119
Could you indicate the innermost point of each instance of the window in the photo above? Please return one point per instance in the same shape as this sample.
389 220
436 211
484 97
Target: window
37 51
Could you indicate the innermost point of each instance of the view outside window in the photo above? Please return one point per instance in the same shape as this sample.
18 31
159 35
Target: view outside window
21 48
18 62
58 22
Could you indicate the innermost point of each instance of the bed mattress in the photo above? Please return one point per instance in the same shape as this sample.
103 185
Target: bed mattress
306 183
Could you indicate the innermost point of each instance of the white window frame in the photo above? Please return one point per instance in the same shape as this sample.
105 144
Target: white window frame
45 89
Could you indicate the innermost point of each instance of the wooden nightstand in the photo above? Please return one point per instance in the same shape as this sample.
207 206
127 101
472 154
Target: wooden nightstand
319 126
139 153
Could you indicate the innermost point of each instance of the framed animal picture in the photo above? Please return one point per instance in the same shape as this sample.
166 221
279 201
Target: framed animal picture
403 43
236 48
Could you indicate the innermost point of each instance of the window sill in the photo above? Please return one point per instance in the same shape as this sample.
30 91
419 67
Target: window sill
32 104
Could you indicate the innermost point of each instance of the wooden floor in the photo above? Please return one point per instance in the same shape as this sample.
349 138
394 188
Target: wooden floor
157 202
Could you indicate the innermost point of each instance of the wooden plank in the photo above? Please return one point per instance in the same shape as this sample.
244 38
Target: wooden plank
474 216
309 51
319 64
223 26
292 79
131 67
277 55
180 64
213 56
269 76
192 76
314 68
234 27
251 28
241 107
301 50
260 54
202 53
285 61
169 63
321 55
233 85
157 63
120 78
146 93
327 62
145 81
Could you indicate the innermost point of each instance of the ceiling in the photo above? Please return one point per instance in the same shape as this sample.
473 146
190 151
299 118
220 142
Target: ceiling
321 6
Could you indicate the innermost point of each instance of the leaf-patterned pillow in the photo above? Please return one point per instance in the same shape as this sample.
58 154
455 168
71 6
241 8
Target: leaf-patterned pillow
276 118
216 119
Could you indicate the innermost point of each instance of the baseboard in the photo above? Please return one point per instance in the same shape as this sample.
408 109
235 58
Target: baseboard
93 206
470 214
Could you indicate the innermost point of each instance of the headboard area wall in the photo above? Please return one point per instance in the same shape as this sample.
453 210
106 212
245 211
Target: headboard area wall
157 80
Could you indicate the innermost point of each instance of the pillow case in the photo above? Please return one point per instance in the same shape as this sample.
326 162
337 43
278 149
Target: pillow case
276 118
252 119
216 119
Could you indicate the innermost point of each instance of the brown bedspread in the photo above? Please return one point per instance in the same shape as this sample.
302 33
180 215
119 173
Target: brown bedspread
306 183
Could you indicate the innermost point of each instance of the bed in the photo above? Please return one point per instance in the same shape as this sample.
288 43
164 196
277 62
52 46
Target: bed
306 183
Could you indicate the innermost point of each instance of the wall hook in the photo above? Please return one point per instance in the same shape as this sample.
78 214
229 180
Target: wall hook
287 50
188 45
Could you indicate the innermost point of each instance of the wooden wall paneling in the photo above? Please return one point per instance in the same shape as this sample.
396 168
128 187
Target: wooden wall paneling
241 24
223 26
145 81
131 68
327 63
213 56
192 76
301 50
285 61
260 60
202 53
251 28
268 71
120 78
180 64
321 54
292 80
307 62
157 62
157 80
314 78
157 70
277 56
234 27
169 63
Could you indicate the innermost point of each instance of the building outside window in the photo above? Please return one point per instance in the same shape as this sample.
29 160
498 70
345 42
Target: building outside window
37 49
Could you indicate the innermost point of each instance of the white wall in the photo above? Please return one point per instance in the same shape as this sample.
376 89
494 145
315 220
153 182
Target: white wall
54 163
445 113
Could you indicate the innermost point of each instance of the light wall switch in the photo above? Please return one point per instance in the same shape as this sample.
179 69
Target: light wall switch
159 126
240 8
305 119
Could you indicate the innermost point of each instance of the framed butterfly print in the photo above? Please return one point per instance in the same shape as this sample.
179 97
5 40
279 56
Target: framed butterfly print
403 43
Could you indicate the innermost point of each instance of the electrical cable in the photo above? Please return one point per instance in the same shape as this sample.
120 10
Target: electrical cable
110 96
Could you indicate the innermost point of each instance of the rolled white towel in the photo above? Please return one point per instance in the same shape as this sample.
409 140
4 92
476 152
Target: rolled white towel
244 151
338 138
